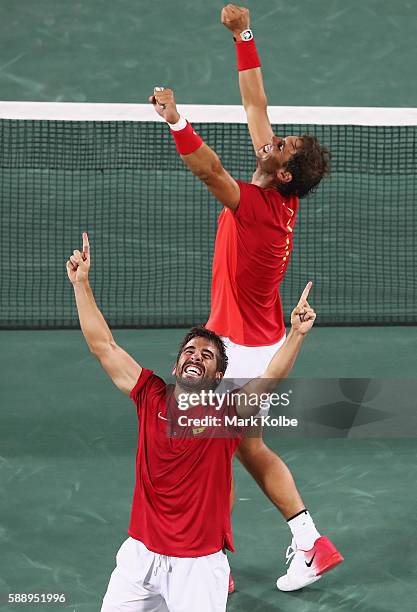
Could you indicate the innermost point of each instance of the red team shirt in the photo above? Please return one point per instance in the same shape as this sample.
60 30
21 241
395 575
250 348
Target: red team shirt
253 247
181 501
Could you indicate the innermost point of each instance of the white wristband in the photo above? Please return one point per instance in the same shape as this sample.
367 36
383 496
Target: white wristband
180 125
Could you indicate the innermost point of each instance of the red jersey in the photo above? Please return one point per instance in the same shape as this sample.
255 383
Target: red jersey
181 502
252 250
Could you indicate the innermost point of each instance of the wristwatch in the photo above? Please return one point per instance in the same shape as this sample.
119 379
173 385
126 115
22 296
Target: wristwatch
246 35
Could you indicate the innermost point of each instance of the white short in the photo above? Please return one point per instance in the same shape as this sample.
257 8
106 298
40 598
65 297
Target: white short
247 362
144 581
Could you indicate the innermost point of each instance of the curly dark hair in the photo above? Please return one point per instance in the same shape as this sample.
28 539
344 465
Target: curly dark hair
203 332
308 166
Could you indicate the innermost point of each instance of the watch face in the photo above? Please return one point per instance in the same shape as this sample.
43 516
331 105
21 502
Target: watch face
246 35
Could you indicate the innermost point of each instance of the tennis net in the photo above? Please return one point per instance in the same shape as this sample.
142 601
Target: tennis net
113 170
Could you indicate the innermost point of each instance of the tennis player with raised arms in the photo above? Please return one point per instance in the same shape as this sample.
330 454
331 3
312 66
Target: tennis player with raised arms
252 251
174 557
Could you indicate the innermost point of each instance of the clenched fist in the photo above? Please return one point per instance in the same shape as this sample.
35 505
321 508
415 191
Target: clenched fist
78 264
303 316
235 18
164 103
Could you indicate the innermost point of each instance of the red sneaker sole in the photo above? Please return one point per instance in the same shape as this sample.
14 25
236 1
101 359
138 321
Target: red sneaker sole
335 559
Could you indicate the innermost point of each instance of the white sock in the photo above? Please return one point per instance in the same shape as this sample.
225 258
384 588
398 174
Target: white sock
303 530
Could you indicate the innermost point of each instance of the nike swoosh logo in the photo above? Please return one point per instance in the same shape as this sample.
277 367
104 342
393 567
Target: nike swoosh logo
161 417
311 560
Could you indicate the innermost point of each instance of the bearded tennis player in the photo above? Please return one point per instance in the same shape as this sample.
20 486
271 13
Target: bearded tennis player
174 556
252 251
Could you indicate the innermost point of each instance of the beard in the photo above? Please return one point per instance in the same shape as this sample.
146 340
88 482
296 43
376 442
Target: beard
267 166
196 385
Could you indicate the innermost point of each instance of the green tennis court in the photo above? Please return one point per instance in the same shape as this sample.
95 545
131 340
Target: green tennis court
68 440
67 435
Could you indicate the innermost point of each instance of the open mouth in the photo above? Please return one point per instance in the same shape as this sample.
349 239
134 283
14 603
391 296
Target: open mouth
265 151
193 370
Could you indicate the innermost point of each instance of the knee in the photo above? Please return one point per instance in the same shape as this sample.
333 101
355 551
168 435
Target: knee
249 447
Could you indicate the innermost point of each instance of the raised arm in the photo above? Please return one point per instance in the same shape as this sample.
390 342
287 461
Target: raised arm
237 20
203 162
119 365
302 320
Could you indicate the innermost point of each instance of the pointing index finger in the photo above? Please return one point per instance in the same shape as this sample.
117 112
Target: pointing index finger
86 244
305 293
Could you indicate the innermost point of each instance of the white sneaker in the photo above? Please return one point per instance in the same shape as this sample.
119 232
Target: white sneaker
307 566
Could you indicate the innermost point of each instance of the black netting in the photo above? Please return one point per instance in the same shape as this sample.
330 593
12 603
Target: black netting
152 224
